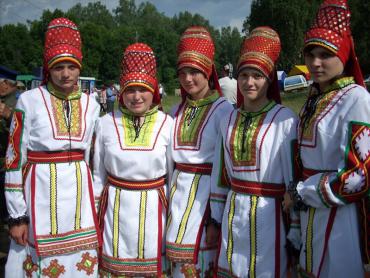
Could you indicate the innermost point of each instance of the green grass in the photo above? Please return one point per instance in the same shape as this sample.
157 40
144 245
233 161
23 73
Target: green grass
169 101
294 100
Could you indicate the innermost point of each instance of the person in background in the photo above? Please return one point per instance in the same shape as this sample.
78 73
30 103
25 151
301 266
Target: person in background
256 149
8 100
228 84
193 141
162 93
333 152
48 185
132 166
103 99
111 98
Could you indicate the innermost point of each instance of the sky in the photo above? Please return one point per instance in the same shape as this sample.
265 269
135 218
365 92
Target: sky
220 13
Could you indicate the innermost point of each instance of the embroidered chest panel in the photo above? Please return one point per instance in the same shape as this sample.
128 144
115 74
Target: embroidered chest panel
192 122
61 118
323 107
66 123
138 136
243 141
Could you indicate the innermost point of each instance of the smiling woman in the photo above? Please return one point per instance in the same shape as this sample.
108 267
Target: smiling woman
256 150
131 167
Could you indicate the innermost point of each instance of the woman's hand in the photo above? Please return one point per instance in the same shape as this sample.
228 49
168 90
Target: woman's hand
19 233
212 234
287 202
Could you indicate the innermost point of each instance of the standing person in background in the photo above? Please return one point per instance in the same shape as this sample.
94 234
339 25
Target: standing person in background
48 184
193 146
256 144
228 84
8 100
111 98
103 99
132 165
334 152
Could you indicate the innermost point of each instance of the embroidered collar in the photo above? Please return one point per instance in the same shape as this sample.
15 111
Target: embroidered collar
74 95
204 101
265 109
147 113
338 84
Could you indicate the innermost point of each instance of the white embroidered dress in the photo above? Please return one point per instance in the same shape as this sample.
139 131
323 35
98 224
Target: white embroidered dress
132 211
193 142
56 194
257 153
335 154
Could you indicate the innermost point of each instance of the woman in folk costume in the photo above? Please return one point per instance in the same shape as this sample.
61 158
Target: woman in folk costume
131 166
257 150
193 140
48 182
334 152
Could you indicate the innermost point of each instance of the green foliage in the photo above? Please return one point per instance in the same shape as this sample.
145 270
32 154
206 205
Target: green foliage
106 34
290 18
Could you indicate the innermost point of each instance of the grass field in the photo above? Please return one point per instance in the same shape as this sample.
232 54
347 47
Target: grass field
293 100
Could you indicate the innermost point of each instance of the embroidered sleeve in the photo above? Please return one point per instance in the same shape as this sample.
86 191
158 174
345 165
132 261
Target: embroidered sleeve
100 174
16 157
219 182
351 182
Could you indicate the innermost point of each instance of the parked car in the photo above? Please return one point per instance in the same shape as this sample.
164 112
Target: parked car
295 82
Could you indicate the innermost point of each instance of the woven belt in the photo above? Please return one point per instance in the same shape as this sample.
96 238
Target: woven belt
306 172
204 169
137 185
258 188
55 156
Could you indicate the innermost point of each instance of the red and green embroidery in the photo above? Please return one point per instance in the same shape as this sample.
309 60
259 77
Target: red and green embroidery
143 136
193 119
13 154
29 266
190 271
352 183
54 270
87 263
323 106
60 118
243 140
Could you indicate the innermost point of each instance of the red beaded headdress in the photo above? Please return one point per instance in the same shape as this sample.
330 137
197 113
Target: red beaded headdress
196 50
331 30
139 69
62 43
260 51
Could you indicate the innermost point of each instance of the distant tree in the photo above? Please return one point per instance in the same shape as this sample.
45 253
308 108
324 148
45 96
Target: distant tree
125 13
92 13
17 50
360 29
229 46
290 18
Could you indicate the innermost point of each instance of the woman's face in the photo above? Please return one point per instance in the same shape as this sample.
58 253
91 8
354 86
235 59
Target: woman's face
324 66
64 76
137 99
194 82
253 85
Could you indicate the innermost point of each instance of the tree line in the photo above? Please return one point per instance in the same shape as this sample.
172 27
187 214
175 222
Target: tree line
105 35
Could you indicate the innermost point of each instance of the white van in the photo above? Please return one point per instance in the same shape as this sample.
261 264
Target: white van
295 82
